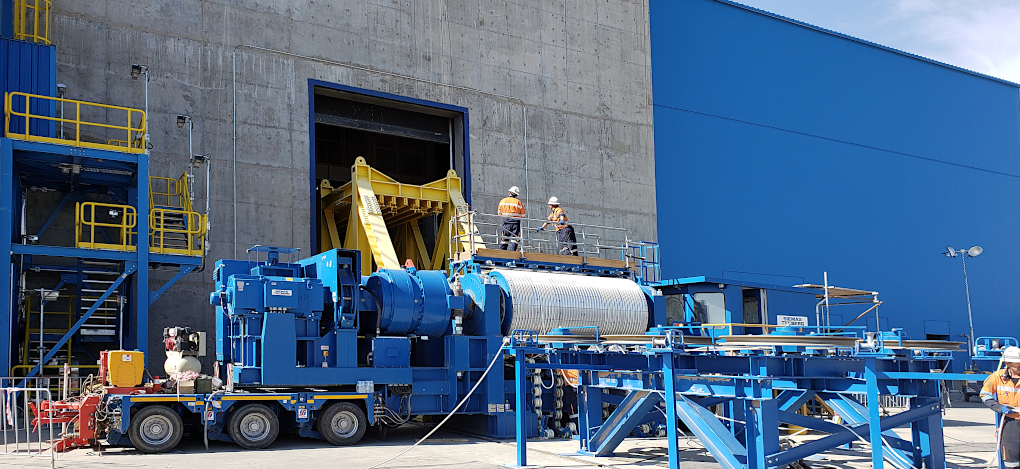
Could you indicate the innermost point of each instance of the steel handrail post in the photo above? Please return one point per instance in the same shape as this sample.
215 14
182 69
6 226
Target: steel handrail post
77 123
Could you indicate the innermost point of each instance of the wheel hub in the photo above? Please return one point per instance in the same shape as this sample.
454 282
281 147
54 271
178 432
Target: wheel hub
344 424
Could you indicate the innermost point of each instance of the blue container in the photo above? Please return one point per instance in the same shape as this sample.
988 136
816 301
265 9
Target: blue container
30 68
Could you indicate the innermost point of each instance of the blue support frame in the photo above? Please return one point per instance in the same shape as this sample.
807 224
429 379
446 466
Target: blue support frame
19 167
760 389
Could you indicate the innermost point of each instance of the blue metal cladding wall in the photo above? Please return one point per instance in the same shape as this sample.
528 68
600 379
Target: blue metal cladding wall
30 68
794 151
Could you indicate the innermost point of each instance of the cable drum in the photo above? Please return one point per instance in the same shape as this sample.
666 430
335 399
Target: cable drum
543 301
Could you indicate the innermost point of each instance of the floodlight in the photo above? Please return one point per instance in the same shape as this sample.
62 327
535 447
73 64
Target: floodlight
975 251
181 120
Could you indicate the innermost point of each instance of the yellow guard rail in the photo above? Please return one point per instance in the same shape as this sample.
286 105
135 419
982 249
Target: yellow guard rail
18 110
32 20
123 218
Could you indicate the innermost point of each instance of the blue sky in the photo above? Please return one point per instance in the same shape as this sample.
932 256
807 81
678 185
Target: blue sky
979 35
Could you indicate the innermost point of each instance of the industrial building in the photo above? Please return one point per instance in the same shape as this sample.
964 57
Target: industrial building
303 199
798 151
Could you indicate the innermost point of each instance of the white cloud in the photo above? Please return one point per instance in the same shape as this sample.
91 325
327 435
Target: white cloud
979 35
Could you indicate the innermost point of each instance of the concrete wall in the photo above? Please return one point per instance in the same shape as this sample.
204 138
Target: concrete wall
801 151
581 67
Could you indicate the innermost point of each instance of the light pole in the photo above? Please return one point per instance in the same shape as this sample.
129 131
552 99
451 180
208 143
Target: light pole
196 162
137 71
61 91
964 254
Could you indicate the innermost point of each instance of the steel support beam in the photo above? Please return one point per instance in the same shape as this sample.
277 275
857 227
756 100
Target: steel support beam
7 299
712 433
154 295
634 407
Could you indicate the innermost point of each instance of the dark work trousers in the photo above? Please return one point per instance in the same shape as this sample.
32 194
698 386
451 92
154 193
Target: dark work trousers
568 241
1010 441
509 234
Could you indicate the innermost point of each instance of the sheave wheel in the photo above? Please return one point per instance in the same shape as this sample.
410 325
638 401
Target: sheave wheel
254 426
155 429
343 424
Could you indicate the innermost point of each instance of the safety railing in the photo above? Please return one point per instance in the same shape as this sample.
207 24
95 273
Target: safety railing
92 220
170 192
137 143
19 407
31 117
32 20
591 241
176 232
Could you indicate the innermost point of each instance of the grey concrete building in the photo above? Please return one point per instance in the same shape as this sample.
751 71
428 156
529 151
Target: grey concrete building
579 70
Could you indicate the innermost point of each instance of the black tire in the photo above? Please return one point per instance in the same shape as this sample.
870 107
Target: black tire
155 429
253 426
343 424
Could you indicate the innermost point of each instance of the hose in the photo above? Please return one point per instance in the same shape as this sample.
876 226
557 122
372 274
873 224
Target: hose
459 404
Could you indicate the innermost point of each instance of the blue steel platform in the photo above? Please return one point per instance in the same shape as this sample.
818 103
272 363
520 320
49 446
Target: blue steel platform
81 174
758 390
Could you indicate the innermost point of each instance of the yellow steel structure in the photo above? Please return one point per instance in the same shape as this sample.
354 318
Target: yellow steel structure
18 106
379 216
174 228
32 20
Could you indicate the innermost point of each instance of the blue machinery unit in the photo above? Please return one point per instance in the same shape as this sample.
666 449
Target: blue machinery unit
419 340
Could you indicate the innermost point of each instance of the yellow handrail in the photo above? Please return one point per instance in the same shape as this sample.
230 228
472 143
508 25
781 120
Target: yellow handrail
192 233
32 20
176 193
85 218
26 117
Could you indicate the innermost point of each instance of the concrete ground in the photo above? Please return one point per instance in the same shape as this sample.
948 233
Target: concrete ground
970 443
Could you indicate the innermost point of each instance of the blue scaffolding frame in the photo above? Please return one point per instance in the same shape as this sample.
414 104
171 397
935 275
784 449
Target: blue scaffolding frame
758 391
125 176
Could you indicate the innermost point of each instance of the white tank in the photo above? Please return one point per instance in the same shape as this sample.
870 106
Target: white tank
177 363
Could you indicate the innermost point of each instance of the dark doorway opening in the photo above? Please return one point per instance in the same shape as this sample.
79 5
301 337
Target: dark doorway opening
410 141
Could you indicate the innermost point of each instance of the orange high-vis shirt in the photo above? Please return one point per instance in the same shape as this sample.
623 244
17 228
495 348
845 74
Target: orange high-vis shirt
1003 390
511 207
555 216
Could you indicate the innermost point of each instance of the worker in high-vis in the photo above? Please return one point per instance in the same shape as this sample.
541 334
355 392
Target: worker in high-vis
511 209
564 231
1001 393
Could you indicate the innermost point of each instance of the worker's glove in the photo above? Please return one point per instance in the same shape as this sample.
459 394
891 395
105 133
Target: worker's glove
1007 409
563 222
540 229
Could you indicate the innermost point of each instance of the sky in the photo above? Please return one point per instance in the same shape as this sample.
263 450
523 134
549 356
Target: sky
979 35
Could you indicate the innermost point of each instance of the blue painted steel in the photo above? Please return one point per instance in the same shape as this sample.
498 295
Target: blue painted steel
633 408
791 122
391 352
29 68
413 302
7 317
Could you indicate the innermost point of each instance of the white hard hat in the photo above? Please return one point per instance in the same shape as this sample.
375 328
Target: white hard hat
515 190
1011 355
554 201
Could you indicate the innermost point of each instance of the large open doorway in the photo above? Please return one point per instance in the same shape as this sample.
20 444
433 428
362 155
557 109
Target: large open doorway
412 141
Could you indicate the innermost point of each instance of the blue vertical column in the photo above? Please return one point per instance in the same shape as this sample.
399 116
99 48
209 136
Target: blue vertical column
874 411
589 407
7 306
761 414
669 383
521 381
141 325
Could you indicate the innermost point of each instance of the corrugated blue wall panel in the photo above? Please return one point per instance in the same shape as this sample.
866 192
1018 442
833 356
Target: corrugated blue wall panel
793 151
30 68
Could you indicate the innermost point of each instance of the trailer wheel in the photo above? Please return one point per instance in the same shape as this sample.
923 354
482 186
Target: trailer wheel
343 424
155 429
254 426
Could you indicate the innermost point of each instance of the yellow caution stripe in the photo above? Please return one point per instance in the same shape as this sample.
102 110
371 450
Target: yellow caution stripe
255 398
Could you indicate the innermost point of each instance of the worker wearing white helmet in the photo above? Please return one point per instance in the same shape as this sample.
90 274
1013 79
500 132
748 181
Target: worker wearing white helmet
511 209
564 232
1001 392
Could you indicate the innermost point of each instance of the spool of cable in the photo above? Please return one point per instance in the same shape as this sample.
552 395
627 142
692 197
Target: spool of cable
543 301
